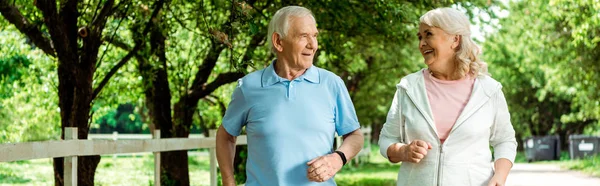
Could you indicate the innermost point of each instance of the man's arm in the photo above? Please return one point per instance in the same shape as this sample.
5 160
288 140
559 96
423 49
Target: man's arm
352 144
225 155
324 167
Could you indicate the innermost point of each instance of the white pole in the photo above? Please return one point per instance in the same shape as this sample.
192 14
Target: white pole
115 136
213 160
70 162
157 161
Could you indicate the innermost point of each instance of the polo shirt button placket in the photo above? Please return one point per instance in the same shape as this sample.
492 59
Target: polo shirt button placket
291 90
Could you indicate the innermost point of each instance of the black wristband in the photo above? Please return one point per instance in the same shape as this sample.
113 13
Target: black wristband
342 155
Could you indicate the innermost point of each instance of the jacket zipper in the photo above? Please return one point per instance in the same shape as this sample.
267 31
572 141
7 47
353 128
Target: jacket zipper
439 165
441 154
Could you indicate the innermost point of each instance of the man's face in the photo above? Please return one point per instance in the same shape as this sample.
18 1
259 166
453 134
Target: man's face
300 45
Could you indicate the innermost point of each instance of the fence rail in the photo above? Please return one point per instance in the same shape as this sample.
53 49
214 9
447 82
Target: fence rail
71 148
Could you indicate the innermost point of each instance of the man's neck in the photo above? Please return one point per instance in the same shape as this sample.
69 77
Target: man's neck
285 71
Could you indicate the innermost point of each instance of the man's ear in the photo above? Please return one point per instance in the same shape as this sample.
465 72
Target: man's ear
276 39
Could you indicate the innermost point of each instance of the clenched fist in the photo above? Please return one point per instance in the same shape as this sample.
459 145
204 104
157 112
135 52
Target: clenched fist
323 168
416 151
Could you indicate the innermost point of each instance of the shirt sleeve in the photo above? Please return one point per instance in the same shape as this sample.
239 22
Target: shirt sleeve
393 128
346 120
237 111
503 135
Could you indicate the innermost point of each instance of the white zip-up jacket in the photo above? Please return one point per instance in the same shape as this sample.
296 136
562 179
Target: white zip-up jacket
465 158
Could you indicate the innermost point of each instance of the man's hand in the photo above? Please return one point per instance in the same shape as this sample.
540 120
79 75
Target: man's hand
416 151
323 168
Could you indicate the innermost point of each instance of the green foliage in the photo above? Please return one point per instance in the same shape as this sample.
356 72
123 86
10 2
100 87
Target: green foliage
124 119
590 165
545 55
28 99
11 70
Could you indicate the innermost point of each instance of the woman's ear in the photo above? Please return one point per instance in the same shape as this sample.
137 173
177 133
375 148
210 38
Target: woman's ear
276 39
456 41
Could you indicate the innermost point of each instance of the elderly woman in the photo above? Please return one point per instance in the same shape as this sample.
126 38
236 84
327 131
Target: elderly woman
444 118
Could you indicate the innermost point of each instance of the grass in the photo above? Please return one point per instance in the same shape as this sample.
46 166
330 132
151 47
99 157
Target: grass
588 165
123 170
139 170
32 172
377 171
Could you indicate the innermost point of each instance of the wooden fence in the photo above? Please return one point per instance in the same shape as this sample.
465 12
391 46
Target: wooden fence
72 147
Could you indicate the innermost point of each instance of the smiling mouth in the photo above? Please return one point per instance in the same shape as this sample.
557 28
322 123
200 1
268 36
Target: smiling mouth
307 54
427 52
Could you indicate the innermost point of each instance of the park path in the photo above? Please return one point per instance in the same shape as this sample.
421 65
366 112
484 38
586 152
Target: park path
525 174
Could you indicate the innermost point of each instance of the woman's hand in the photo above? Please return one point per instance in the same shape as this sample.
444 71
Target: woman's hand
497 181
415 151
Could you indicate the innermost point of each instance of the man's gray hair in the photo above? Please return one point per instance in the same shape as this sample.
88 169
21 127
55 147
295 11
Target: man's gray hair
456 23
280 22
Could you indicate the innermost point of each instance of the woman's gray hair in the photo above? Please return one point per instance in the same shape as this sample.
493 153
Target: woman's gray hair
280 22
456 23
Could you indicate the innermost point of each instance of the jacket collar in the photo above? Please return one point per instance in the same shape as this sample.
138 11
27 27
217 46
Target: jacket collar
414 84
269 76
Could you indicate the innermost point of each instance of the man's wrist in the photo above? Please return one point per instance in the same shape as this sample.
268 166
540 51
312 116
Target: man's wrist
342 156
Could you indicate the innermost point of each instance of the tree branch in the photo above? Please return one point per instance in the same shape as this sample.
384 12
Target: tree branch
222 79
58 30
99 21
138 46
207 66
118 43
114 70
209 63
69 15
14 16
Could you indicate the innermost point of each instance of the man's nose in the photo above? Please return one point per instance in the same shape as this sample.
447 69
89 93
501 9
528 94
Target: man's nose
312 43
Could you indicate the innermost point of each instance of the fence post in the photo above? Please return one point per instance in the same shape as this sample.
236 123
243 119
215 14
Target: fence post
157 161
213 159
70 162
115 136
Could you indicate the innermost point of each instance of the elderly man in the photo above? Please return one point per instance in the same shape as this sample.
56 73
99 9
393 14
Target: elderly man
291 110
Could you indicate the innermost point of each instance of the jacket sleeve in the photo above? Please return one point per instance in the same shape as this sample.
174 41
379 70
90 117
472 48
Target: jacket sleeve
393 129
503 135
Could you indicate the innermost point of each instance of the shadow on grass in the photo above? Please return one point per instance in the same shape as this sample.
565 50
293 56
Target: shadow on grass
368 174
367 182
197 163
12 179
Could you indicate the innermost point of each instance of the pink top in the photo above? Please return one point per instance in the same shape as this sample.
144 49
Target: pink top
447 100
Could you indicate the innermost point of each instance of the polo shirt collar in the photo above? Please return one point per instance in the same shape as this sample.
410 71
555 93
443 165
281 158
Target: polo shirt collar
270 77
311 75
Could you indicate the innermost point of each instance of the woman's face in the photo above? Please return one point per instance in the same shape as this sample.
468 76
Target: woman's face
436 46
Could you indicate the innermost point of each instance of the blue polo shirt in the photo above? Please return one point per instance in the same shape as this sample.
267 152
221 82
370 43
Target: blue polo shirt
288 123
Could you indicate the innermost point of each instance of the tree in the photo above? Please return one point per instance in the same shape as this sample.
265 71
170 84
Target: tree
72 32
545 56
